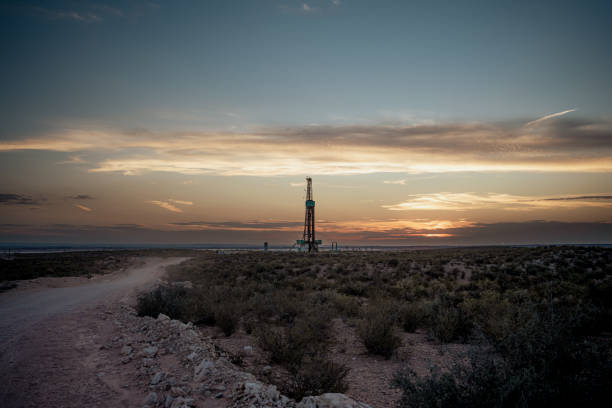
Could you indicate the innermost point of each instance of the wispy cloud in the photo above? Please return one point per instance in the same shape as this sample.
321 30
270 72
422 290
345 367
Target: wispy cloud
240 225
402 181
18 199
82 12
302 8
574 146
81 197
72 160
397 232
474 201
82 207
181 202
165 205
171 204
80 16
547 117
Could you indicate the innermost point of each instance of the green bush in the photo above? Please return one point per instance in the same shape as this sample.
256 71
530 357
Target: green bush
376 329
173 301
448 322
480 382
289 346
227 317
414 315
316 377
203 307
543 361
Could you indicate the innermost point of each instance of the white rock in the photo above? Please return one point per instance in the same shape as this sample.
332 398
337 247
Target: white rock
158 377
125 350
150 351
151 399
204 369
182 402
253 387
162 317
331 400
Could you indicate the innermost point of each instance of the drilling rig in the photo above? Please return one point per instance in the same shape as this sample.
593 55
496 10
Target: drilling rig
308 242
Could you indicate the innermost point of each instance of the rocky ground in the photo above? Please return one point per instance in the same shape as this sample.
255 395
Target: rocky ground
101 354
178 367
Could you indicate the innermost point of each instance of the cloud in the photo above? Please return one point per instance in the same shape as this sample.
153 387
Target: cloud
508 233
477 201
103 8
581 198
82 207
170 204
166 205
402 181
84 13
72 160
81 197
547 117
180 202
561 146
80 16
240 225
18 199
300 8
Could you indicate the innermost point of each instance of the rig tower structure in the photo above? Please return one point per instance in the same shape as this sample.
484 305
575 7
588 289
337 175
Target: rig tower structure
309 241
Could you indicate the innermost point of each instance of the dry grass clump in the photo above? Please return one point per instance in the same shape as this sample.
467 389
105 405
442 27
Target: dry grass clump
376 329
302 349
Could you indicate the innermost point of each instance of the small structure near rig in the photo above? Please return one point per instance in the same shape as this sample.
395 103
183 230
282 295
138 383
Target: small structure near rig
308 242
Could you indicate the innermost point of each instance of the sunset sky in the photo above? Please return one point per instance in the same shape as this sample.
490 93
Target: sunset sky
420 122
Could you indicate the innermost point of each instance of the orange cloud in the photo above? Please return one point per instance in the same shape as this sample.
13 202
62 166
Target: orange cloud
474 201
82 207
553 146
166 206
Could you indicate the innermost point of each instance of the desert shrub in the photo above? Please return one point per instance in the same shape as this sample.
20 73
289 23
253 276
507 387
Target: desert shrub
289 346
448 322
282 305
353 288
551 362
172 301
542 361
376 329
280 346
479 382
249 324
414 315
202 307
316 377
227 317
347 306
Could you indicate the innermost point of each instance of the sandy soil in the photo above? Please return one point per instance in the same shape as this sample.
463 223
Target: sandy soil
52 340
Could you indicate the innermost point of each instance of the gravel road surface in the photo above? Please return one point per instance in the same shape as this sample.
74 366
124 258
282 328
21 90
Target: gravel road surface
47 338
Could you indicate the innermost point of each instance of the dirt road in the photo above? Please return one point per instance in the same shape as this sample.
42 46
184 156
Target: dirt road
50 338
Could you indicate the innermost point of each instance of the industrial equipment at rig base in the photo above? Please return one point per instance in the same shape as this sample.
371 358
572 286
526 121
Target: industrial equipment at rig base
308 242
